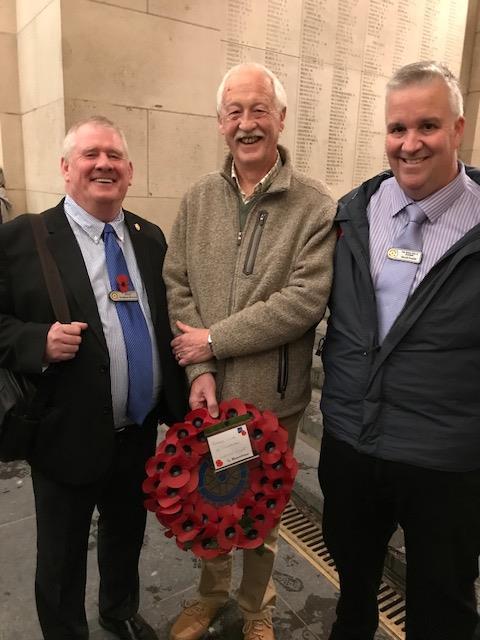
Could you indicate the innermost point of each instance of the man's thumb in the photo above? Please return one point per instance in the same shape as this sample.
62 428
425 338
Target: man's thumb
212 406
183 327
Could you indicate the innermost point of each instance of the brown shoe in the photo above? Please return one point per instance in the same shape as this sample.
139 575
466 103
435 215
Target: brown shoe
258 629
194 620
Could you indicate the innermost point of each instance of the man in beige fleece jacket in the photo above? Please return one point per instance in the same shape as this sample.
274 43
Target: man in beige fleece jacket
248 275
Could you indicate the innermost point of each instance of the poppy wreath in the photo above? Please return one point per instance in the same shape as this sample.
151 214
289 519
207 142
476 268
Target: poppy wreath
213 512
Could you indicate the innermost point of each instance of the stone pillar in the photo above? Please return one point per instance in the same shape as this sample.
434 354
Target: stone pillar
40 67
470 79
11 145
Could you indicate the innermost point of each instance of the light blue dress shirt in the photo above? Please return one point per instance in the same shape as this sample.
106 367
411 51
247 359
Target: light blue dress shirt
88 232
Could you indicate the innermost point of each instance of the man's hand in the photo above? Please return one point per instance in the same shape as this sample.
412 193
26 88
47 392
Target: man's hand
191 346
202 394
63 341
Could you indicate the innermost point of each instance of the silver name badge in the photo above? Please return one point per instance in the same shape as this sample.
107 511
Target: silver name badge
405 255
123 296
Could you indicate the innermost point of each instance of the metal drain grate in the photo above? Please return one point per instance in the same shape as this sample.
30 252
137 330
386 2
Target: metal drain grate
306 537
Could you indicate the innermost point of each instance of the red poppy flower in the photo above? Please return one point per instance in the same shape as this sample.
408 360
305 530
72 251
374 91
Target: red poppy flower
197 443
229 532
272 447
254 413
151 483
206 545
230 511
252 538
262 517
122 282
168 449
187 527
263 429
258 480
175 474
276 470
232 408
200 418
154 465
161 512
206 512
179 431
275 505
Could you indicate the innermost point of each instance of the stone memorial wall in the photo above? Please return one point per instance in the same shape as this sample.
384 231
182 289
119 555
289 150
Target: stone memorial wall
334 59
153 66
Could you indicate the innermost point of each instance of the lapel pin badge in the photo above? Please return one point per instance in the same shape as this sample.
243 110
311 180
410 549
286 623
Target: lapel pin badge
137 226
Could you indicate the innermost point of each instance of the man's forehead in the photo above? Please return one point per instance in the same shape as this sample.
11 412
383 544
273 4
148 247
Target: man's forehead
93 136
247 82
89 130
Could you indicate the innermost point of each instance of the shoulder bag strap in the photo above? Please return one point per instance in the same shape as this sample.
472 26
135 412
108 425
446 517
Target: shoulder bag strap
50 270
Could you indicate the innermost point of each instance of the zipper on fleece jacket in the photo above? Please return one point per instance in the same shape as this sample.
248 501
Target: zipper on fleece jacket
282 370
255 242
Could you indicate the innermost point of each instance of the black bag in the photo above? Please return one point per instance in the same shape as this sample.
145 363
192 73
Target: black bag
18 415
16 427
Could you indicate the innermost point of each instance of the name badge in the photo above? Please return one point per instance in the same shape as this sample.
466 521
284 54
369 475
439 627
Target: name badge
405 255
229 448
123 296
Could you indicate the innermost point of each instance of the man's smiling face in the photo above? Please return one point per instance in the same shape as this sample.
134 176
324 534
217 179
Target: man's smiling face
97 171
251 120
423 136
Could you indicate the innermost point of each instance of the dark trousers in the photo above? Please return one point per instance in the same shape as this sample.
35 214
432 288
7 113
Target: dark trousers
64 514
365 499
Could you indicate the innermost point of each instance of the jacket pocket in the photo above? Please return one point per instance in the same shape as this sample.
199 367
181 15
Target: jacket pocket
255 242
282 370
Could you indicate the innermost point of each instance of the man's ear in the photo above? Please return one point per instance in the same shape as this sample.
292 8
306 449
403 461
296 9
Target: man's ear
221 128
64 168
459 129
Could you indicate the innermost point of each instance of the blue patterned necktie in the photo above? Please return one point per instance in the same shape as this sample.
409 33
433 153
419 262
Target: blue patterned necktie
396 277
138 344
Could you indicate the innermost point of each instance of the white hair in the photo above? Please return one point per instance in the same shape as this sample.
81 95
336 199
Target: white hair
99 121
279 93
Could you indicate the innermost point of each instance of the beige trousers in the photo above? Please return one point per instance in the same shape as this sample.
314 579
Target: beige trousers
257 593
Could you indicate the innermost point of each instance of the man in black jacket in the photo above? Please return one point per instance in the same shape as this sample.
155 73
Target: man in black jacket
401 401
100 405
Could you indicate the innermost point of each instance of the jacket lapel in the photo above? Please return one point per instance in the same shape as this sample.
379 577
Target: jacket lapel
424 293
66 253
142 248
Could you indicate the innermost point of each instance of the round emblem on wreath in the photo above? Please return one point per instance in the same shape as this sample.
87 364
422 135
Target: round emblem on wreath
210 509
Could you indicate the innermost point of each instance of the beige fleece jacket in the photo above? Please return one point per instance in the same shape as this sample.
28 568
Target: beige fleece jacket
261 297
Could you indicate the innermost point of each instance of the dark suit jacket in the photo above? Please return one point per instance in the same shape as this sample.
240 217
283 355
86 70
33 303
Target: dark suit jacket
75 439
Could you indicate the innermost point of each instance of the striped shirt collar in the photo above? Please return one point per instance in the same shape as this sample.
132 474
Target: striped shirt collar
437 203
92 226
263 184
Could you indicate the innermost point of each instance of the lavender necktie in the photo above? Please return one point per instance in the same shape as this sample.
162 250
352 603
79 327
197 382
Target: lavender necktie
396 277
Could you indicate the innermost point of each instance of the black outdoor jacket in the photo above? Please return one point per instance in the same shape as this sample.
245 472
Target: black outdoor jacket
416 398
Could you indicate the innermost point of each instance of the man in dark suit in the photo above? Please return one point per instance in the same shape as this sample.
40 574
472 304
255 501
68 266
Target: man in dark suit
99 405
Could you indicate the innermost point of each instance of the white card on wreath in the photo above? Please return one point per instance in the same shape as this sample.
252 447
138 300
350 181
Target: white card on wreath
230 447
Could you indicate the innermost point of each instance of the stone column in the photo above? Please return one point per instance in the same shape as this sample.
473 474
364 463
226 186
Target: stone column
470 79
11 145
